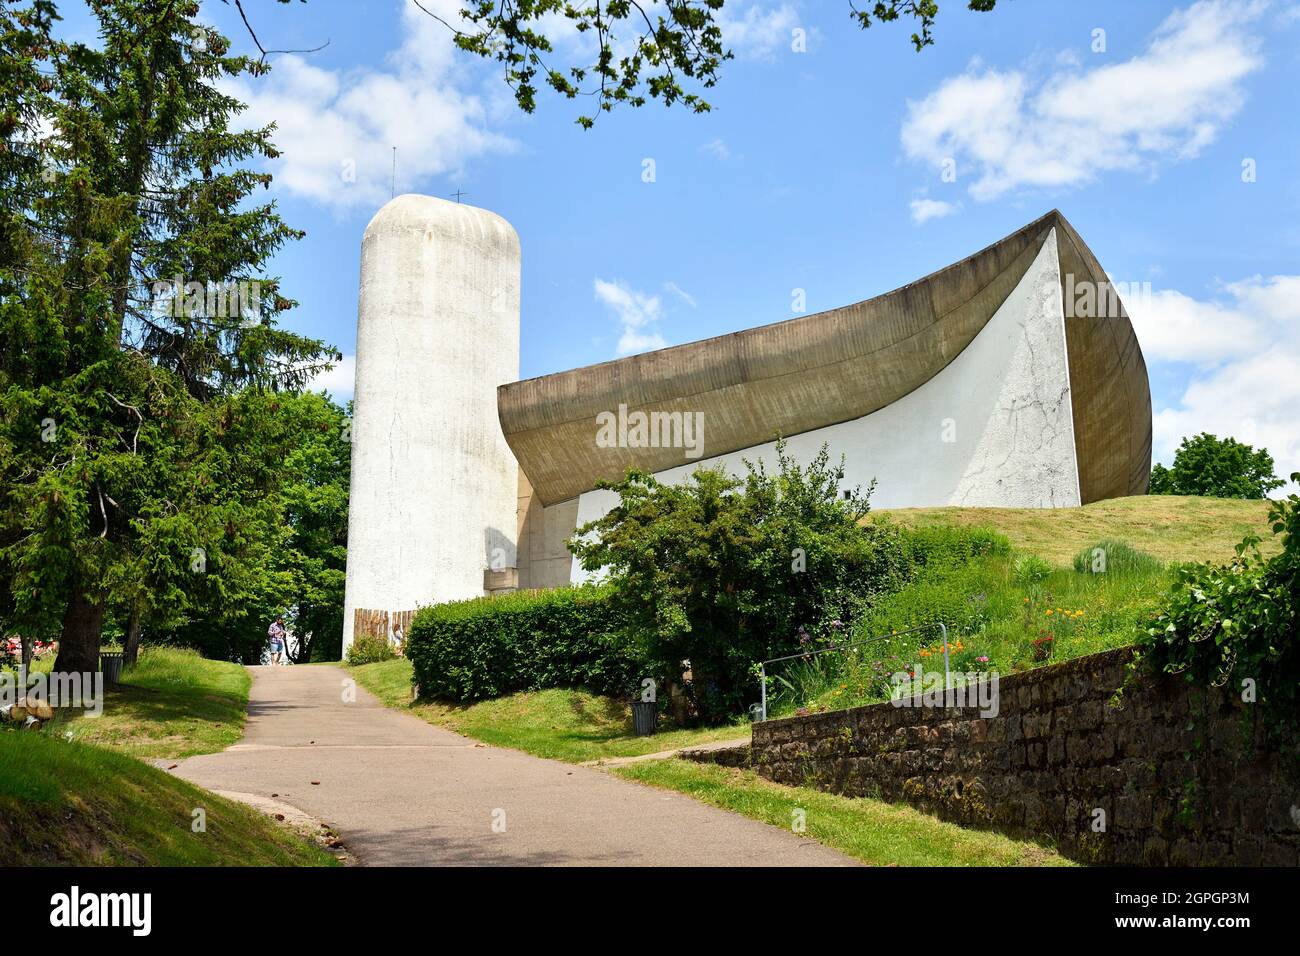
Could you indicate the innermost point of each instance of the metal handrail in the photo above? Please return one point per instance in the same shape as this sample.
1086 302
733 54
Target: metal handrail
762 665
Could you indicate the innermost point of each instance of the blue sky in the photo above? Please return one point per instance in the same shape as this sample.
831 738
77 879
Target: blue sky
1175 151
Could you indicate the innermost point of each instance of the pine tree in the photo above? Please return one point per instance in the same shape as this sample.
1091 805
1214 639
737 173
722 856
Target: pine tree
138 324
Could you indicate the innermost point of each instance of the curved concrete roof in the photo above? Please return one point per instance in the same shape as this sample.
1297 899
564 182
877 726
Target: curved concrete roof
835 366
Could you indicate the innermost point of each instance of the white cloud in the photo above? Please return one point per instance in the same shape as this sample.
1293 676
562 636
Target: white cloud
337 129
756 31
681 293
717 148
1177 328
1247 380
636 312
1016 130
924 210
340 381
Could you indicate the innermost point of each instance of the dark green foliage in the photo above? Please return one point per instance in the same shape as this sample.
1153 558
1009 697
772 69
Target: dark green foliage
724 572
487 647
924 11
640 52
1216 468
138 450
292 559
1115 557
309 565
1224 625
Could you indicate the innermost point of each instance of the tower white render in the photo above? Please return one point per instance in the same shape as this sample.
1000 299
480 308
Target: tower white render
434 484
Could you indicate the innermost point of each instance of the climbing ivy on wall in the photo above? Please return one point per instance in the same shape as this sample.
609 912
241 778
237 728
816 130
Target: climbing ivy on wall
1235 625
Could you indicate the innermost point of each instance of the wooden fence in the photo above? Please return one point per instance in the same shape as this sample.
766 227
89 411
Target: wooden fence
371 623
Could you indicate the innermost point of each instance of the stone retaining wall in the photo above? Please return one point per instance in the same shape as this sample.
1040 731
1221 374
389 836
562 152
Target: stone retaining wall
1058 751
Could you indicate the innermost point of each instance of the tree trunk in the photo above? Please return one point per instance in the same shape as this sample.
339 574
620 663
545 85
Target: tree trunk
79 640
131 647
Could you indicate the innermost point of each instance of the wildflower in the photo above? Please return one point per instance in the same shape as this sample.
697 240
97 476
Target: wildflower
983 658
1048 612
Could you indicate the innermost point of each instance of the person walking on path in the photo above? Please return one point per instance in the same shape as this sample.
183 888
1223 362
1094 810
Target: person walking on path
277 635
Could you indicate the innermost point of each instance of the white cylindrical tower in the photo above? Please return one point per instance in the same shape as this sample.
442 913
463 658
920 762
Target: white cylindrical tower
434 484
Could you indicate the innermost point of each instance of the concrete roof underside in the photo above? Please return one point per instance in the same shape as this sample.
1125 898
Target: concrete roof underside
836 366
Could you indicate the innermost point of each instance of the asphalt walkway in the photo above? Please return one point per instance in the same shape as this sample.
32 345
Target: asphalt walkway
401 792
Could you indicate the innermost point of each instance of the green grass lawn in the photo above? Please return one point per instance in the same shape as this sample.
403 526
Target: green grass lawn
1170 527
75 794
877 833
570 725
173 703
65 803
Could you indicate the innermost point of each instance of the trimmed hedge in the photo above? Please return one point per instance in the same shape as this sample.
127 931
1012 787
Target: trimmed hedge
491 646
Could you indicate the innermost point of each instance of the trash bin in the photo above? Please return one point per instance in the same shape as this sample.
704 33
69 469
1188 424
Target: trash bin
110 662
645 717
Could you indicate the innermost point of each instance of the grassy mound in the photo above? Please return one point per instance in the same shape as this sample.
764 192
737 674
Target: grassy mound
1004 612
65 803
173 703
1168 527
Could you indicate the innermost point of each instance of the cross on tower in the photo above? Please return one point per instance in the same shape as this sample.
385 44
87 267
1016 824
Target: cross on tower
458 194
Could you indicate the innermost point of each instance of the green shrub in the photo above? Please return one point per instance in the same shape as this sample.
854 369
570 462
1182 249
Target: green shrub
1115 557
369 649
1030 570
727 571
488 647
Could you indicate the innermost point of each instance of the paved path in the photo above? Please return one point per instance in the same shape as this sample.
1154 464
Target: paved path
399 791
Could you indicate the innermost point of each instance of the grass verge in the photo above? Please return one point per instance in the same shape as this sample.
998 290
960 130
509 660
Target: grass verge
570 725
877 833
69 804
173 703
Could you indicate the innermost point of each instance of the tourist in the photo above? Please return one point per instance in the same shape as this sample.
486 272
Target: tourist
277 634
